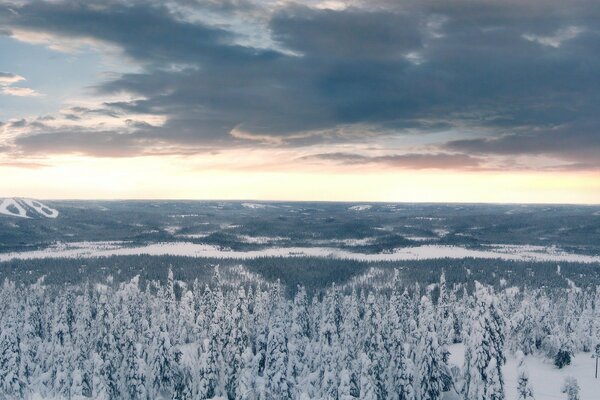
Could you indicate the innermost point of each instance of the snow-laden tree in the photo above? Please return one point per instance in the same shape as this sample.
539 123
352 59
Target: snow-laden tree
278 383
399 384
485 343
122 341
524 389
430 367
571 388
246 387
12 383
522 328
368 389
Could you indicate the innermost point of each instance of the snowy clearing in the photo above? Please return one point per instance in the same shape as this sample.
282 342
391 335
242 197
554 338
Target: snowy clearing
253 205
187 249
545 378
362 207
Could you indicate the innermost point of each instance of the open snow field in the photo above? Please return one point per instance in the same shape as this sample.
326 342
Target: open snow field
100 249
545 378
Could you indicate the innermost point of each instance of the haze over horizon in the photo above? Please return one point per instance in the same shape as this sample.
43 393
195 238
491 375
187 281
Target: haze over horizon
339 100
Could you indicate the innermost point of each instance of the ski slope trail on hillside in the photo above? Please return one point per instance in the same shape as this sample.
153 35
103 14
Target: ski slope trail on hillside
26 208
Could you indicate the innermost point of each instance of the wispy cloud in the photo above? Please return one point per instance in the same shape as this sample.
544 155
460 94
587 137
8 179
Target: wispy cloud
557 39
8 79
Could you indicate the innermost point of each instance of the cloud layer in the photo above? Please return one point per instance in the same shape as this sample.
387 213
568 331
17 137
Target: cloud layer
490 82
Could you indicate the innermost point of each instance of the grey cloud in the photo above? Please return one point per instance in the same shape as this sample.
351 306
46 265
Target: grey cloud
575 141
353 34
471 67
410 160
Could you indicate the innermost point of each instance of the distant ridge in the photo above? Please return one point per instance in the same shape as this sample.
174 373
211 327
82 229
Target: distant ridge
26 208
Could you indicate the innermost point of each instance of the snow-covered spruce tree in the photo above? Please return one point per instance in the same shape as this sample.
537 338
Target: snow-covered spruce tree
522 328
571 388
186 318
300 337
246 387
108 360
367 386
82 383
350 348
161 359
585 325
444 314
524 389
429 363
278 384
399 377
328 345
133 379
182 378
596 318
485 342
237 341
11 381
374 346
566 337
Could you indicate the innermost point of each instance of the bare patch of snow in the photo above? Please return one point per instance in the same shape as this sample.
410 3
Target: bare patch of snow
419 238
254 205
361 207
261 239
172 229
194 235
441 232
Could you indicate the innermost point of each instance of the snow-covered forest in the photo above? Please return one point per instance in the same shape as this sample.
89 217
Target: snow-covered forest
255 341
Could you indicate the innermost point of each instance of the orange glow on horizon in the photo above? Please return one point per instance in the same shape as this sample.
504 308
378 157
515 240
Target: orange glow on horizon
183 178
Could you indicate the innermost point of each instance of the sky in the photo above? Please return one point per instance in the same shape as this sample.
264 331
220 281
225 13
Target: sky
339 100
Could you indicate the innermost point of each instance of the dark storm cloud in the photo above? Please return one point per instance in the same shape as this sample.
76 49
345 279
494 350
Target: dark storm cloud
520 75
354 35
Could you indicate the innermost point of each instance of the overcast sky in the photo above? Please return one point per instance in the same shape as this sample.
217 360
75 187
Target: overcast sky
424 100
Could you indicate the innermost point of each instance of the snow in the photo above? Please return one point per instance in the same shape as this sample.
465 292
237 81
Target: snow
350 242
260 239
425 252
419 238
362 207
172 229
545 378
253 205
194 235
8 204
441 232
19 208
41 209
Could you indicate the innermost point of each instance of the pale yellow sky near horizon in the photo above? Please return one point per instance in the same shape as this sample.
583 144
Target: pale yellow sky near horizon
176 178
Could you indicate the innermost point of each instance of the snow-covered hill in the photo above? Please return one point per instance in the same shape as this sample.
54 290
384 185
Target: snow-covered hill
26 208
